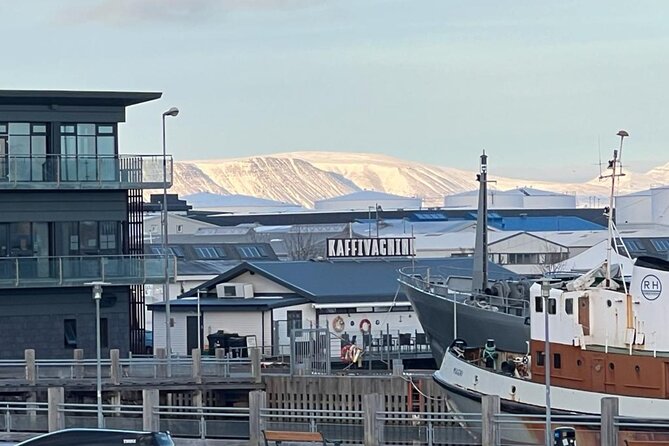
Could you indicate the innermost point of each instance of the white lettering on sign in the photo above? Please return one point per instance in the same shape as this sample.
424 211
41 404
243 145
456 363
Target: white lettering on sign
651 287
370 247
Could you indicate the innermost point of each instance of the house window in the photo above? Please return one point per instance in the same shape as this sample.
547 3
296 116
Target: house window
569 306
229 291
660 245
634 245
70 329
88 152
252 251
294 320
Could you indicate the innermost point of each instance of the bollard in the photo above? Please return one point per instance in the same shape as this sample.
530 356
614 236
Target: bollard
490 407
150 419
161 368
78 372
257 402
115 366
609 429
372 404
196 356
31 374
255 364
55 397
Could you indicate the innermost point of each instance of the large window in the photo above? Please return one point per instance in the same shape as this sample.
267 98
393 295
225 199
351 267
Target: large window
23 148
88 152
24 239
70 329
88 238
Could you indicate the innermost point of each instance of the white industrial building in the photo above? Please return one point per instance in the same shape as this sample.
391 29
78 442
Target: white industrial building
368 201
238 204
521 198
643 208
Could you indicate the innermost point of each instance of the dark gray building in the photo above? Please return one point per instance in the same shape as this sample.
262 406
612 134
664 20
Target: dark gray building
72 215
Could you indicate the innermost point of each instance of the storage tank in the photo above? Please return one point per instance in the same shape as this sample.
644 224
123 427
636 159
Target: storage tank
635 208
543 199
238 204
497 199
366 200
660 205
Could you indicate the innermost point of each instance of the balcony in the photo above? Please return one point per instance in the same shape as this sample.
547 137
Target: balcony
116 172
38 272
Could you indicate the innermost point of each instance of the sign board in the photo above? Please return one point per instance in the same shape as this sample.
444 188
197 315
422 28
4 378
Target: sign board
370 247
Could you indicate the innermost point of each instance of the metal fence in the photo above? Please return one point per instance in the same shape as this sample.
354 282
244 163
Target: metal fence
310 351
204 422
342 426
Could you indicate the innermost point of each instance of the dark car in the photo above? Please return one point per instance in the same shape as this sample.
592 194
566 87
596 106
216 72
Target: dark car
100 437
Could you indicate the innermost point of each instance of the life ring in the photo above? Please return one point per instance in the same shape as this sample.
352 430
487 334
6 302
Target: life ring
338 324
365 325
350 353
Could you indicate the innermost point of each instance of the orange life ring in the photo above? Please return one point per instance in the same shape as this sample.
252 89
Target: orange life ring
338 324
365 325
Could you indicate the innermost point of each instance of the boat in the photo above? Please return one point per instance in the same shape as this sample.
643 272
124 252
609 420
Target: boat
599 335
475 307
99 437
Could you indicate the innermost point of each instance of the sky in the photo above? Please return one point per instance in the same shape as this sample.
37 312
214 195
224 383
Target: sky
542 86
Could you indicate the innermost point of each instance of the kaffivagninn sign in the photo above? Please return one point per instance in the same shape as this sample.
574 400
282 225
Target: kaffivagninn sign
370 247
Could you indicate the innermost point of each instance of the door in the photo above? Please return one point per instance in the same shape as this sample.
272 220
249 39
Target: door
191 333
584 314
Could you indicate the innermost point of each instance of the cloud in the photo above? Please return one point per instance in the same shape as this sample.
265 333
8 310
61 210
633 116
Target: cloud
117 12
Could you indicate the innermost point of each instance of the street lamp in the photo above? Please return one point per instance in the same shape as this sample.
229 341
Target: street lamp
545 294
97 296
166 289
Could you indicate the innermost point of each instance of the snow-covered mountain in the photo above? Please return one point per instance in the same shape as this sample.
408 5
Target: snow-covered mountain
303 177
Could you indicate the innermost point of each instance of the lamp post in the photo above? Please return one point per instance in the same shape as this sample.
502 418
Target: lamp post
377 219
97 296
199 323
166 287
545 294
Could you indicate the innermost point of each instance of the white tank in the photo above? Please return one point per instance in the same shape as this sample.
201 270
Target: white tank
660 205
543 199
497 199
368 201
634 208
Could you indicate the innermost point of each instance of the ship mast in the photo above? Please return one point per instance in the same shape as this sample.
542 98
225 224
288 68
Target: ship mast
617 159
480 273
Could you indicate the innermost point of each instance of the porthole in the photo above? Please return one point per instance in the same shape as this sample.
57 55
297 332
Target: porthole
637 368
513 389
612 366
579 362
352 323
608 303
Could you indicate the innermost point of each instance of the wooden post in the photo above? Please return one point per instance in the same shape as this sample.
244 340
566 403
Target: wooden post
609 432
115 367
161 368
257 402
55 397
31 374
150 400
78 372
490 407
254 353
196 356
372 404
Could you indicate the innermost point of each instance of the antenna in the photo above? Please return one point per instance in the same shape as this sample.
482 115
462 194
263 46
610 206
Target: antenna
599 148
613 164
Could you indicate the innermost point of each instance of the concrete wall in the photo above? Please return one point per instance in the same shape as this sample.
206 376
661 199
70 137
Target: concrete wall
34 318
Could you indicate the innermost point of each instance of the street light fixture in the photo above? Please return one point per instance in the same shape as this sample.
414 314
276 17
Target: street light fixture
173 111
97 297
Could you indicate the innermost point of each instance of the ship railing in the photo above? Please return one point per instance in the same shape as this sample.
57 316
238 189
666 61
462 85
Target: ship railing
422 279
640 424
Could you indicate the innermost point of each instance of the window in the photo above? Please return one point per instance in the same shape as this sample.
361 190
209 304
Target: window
251 251
552 306
26 144
660 245
538 304
229 291
104 332
569 305
70 329
557 361
294 319
88 152
540 359
209 252
633 245
175 251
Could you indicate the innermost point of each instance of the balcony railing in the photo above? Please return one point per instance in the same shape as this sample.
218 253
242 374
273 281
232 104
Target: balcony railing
35 272
84 171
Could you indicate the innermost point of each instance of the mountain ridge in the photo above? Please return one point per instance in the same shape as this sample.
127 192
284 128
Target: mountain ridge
306 176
